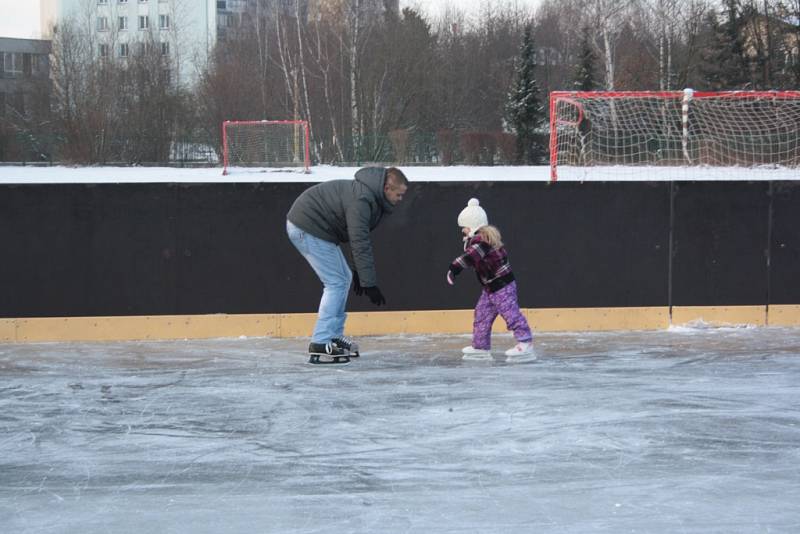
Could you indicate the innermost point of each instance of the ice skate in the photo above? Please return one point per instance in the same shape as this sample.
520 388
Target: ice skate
347 344
521 352
327 353
471 353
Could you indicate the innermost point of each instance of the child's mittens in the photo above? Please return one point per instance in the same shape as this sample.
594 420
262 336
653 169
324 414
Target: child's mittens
451 277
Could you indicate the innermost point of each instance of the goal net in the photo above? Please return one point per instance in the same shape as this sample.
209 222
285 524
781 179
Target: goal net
674 135
265 145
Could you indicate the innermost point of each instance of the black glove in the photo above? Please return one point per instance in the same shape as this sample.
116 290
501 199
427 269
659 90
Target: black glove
357 289
375 295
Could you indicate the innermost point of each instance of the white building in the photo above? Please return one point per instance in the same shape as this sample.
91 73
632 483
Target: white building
186 30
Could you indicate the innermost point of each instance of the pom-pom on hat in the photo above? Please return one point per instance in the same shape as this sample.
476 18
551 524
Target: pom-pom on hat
473 216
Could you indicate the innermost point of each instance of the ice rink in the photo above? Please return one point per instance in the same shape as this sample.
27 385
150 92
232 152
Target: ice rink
686 430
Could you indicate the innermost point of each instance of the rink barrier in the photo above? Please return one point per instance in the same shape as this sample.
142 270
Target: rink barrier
187 260
65 329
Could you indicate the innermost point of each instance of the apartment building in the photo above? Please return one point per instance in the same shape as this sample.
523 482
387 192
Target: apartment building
24 91
184 30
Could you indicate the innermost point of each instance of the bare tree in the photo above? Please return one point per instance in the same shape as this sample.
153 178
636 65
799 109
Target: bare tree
609 17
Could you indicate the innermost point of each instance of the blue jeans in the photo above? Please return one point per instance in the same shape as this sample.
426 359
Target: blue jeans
328 262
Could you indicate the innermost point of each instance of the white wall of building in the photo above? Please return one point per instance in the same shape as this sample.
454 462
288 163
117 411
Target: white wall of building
189 26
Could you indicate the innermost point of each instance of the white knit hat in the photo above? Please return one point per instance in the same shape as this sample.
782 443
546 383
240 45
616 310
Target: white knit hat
473 216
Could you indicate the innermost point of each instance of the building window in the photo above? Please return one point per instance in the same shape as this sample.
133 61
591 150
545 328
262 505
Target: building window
166 76
102 2
12 64
103 50
123 23
163 22
123 50
164 49
38 65
222 4
122 1
102 24
144 22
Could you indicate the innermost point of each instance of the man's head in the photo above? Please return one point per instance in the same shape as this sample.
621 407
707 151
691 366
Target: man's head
395 185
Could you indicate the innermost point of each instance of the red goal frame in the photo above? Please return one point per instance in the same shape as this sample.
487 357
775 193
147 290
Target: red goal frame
225 147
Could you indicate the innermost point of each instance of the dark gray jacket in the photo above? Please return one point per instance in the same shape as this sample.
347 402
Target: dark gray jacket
342 211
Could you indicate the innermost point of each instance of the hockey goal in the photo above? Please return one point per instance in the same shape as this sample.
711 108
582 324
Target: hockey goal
265 145
674 135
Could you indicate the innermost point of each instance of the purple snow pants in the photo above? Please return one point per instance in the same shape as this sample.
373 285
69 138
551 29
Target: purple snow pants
503 302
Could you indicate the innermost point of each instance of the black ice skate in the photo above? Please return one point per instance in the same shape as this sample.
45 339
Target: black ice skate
327 353
347 344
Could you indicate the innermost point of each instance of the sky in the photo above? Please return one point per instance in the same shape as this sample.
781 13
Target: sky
436 7
20 19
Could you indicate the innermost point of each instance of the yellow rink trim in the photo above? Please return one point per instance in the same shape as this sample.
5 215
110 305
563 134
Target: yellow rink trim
380 323
720 315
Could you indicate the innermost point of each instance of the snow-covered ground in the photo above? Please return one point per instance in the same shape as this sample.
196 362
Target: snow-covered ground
691 430
59 174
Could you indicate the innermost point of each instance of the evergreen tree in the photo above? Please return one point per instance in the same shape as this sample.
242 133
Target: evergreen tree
724 65
524 111
584 71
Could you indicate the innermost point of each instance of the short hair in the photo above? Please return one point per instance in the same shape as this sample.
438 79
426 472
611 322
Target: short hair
395 177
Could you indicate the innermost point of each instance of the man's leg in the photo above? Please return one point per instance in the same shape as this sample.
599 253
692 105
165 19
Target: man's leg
485 314
505 300
329 264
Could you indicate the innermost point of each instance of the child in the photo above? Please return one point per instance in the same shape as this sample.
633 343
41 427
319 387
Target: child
484 251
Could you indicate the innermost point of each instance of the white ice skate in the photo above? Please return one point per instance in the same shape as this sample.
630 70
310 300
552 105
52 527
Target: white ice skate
471 353
521 352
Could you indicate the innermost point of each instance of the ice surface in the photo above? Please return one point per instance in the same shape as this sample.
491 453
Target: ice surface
696 430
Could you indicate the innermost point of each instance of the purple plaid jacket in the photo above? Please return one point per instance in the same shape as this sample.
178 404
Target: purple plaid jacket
491 265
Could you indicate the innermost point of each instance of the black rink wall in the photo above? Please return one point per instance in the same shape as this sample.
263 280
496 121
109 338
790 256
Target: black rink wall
163 249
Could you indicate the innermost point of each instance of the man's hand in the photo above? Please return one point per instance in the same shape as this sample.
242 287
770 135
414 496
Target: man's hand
357 289
375 295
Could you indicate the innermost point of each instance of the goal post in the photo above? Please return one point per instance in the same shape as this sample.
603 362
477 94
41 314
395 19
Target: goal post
258 145
674 134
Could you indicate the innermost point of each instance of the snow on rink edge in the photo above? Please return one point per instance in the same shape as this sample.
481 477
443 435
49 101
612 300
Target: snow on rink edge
321 173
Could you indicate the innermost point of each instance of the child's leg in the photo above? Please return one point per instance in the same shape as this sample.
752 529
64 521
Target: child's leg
485 314
507 305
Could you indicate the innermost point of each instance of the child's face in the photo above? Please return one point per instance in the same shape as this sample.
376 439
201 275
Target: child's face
465 231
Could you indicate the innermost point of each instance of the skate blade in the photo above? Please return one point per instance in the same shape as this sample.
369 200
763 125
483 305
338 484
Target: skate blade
483 357
317 359
522 358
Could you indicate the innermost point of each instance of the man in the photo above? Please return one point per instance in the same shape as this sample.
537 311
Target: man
323 217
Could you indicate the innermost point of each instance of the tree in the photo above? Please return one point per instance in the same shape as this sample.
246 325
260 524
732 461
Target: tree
724 65
610 18
524 111
792 12
584 79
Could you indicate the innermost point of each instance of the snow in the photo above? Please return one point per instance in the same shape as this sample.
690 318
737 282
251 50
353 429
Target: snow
693 431
61 174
